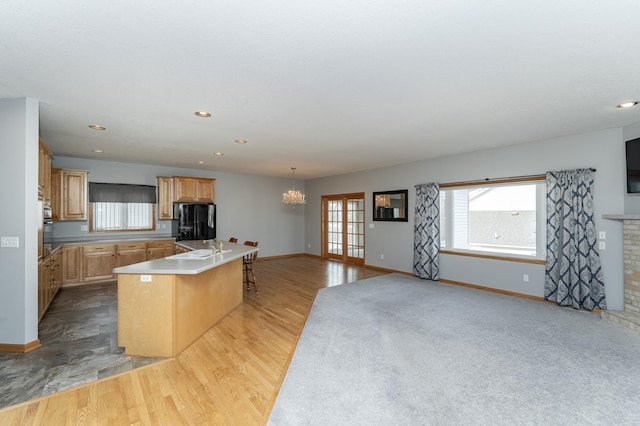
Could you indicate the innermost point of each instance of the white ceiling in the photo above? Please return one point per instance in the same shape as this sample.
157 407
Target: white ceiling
328 86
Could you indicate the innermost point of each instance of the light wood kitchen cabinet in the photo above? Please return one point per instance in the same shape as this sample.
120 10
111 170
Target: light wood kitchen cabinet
44 285
71 264
95 262
194 189
56 192
98 261
56 272
183 188
159 249
49 281
69 202
130 253
44 172
74 195
180 249
165 197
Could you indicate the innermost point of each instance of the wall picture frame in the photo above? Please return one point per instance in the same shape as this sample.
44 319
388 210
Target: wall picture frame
391 206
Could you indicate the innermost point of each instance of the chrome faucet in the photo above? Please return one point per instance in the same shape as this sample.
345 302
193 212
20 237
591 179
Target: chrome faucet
216 246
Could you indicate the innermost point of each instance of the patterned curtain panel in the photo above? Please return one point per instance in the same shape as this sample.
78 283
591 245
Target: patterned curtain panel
573 273
426 243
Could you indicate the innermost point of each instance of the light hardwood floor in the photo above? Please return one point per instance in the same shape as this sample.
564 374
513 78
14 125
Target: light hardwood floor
230 376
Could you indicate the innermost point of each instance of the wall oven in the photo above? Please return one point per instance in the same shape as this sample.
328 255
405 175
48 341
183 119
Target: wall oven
47 231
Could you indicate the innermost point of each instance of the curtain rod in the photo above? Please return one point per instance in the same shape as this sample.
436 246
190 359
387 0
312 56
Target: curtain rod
503 179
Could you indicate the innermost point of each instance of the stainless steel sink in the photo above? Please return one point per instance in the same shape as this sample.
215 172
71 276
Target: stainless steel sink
197 254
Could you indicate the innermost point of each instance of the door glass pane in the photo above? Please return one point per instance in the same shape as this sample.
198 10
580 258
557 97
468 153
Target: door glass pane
334 227
355 228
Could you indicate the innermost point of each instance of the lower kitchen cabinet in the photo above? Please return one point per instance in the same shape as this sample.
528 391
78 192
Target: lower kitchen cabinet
98 261
180 249
71 264
159 249
130 253
82 263
49 280
56 272
44 286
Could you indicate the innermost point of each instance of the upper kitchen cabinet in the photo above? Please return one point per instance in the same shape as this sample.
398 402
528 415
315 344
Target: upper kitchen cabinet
69 200
56 192
181 188
165 197
194 189
44 172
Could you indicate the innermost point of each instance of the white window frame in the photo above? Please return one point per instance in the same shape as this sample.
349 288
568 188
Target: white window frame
123 215
447 232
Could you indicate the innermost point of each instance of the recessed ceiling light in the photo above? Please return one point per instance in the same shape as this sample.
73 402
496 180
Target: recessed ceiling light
97 127
218 154
200 162
98 151
628 104
241 141
203 114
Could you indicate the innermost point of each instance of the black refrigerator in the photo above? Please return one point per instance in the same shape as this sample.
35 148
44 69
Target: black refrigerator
194 221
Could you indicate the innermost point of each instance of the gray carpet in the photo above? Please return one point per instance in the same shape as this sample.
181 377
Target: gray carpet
397 350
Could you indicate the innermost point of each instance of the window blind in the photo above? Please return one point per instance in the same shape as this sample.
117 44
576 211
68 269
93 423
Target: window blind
121 193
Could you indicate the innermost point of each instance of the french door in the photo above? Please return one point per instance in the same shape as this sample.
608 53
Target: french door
343 227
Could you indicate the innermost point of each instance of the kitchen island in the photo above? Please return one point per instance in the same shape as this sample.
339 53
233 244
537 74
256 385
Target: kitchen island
164 305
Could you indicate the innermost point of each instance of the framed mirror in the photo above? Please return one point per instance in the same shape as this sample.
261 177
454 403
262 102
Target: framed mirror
391 205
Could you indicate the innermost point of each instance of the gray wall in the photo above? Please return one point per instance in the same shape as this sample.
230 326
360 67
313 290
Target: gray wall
603 150
19 131
248 207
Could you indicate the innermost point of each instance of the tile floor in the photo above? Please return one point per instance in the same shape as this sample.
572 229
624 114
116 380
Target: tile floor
79 344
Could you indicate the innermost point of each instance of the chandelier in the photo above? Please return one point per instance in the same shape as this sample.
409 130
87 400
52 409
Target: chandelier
293 196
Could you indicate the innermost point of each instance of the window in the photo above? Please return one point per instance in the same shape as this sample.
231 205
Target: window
503 218
122 217
121 207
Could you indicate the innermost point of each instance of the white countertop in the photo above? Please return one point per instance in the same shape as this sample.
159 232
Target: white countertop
177 266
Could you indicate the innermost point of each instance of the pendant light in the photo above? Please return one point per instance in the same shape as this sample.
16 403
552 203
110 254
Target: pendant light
293 196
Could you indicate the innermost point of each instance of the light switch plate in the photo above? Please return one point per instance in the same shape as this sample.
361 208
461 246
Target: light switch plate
13 242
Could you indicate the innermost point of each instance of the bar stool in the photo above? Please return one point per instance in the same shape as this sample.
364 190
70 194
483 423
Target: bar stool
247 263
233 240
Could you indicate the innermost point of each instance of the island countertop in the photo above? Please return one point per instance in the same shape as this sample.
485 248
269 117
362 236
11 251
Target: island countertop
179 264
164 305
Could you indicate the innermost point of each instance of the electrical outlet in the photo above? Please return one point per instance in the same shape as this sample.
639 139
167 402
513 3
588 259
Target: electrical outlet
84 228
145 278
309 245
602 235
602 245
382 257
525 278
